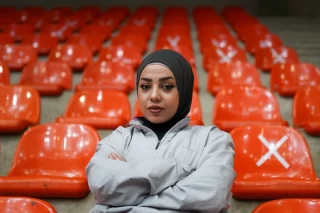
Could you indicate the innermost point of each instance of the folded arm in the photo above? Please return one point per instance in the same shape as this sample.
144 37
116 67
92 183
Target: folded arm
209 187
119 183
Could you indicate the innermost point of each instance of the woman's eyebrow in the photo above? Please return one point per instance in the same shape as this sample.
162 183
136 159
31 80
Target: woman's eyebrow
166 78
161 79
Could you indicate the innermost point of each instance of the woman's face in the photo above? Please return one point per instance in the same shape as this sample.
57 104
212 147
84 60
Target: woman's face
157 93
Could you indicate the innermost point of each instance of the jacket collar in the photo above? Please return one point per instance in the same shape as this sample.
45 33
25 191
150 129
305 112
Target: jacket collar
137 123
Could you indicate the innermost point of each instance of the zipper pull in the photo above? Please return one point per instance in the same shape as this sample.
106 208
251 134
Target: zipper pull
158 144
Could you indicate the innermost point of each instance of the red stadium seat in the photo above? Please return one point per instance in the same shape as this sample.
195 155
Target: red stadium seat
4 73
287 79
232 74
293 205
267 40
16 56
77 56
107 76
42 42
306 110
20 108
47 77
277 161
244 105
25 205
94 108
267 57
54 165
122 54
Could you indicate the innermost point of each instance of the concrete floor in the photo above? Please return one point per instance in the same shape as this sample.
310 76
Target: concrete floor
298 33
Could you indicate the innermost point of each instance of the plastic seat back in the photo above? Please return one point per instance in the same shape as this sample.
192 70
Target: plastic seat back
16 56
243 105
103 31
42 42
277 161
47 77
60 31
212 42
231 74
131 30
75 55
5 39
306 110
267 40
225 55
123 54
252 143
267 57
4 73
137 41
107 76
25 205
19 107
92 41
289 205
18 31
247 31
58 150
287 79
174 40
101 109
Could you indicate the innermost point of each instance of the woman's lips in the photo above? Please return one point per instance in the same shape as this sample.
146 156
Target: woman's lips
155 109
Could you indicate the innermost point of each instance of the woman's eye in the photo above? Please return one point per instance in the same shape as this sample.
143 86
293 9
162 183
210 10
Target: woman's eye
144 87
167 87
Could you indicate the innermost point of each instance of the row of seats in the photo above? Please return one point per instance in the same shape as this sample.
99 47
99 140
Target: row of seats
227 63
272 154
53 77
233 107
33 205
286 79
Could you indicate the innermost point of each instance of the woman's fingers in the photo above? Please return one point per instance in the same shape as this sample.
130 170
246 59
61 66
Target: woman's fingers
111 156
115 156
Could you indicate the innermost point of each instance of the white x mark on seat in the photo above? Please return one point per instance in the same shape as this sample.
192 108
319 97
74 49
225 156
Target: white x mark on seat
273 151
59 33
279 57
226 58
220 44
173 40
139 22
265 43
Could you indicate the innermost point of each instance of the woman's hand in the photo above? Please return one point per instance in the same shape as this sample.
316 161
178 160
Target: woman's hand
115 156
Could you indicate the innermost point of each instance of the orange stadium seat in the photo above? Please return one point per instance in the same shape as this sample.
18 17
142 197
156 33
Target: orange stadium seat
306 110
244 105
107 76
20 108
277 161
47 77
54 165
293 205
96 109
24 204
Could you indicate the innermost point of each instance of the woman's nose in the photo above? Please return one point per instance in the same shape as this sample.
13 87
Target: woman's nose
155 95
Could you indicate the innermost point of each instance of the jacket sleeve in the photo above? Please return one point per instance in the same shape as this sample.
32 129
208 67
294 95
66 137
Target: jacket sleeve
119 183
207 189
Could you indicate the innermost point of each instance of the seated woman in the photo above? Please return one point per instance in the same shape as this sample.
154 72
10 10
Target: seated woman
158 163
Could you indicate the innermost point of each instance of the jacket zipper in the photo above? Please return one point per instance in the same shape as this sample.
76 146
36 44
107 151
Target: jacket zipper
157 146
